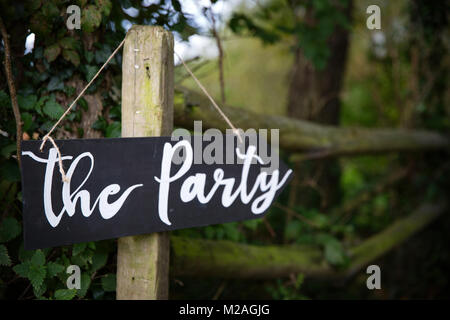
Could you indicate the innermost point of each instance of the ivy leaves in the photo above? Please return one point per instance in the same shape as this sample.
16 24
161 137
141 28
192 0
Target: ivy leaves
33 269
91 18
27 102
46 107
72 56
68 46
109 129
92 257
52 52
65 294
109 282
10 228
53 109
60 60
48 277
54 269
315 228
5 260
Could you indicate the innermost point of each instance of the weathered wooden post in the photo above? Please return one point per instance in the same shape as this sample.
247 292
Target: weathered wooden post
147 110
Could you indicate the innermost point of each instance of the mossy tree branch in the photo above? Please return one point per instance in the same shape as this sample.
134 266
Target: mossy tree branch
302 136
226 259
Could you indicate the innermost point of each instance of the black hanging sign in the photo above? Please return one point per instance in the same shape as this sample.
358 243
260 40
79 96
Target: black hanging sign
129 186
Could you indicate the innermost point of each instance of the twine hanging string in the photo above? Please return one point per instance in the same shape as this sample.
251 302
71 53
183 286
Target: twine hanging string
48 137
224 116
61 169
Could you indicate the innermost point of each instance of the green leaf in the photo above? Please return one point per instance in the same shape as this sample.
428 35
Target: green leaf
113 130
47 125
55 84
334 253
89 56
22 269
78 248
69 91
72 56
39 291
8 150
27 120
65 294
104 6
116 113
68 43
53 109
109 282
9 229
4 257
85 284
38 258
54 268
40 104
100 124
90 72
83 259
36 275
98 260
50 10
83 104
90 18
52 52
33 269
102 54
25 255
26 102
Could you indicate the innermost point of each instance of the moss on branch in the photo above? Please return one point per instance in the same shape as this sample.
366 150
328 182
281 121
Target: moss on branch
303 136
226 259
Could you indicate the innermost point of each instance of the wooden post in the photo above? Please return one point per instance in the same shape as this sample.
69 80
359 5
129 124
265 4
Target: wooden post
147 110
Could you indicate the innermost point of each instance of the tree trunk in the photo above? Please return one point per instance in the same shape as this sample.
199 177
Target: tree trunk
314 96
